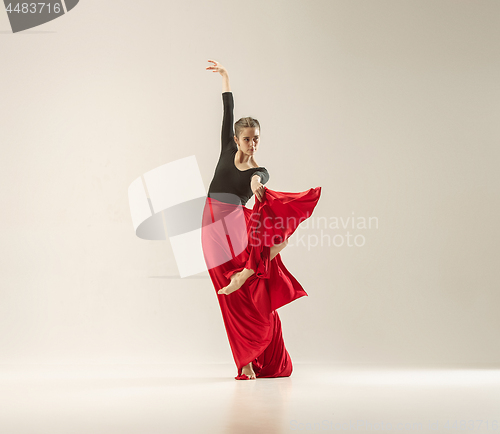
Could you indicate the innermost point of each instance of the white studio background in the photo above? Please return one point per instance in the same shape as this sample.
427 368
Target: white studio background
391 107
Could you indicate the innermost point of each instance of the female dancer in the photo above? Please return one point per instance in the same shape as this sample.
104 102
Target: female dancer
241 246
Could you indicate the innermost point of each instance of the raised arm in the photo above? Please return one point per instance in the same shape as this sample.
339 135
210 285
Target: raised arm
227 133
225 83
217 67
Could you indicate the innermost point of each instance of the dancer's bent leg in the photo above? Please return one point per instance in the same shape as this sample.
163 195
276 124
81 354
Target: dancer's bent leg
238 279
277 248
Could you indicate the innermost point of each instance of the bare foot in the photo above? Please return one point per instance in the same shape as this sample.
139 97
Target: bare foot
248 371
237 280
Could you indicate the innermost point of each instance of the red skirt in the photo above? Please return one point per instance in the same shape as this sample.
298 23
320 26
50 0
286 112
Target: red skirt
236 237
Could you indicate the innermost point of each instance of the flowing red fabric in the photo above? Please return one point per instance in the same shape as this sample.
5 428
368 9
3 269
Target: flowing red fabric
236 237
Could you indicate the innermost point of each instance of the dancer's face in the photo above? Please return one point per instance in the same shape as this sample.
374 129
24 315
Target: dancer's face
248 140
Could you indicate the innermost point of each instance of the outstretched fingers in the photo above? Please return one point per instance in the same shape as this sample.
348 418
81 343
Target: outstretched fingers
214 66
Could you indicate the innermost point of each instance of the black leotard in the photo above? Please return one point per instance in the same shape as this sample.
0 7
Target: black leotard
227 177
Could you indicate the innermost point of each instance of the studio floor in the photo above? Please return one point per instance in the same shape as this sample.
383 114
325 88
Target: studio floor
175 399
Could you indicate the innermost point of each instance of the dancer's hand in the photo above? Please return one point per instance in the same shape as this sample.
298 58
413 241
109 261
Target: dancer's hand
257 188
217 67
